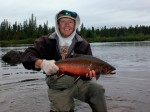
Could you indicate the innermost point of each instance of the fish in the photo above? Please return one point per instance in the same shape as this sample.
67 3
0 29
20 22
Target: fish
80 66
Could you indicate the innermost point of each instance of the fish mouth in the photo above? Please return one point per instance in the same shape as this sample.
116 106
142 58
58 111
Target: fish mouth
111 72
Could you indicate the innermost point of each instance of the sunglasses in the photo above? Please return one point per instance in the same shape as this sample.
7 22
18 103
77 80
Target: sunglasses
68 13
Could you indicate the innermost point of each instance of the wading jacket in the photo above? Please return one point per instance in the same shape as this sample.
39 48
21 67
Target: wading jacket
46 47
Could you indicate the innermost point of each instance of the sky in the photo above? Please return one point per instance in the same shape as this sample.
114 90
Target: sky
93 13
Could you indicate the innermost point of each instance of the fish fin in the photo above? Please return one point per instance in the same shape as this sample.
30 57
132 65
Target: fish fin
60 76
97 76
76 79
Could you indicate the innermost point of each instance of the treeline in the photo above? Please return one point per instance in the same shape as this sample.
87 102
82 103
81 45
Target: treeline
30 30
115 32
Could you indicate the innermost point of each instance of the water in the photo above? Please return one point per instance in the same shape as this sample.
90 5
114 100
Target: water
131 55
130 83
15 73
125 56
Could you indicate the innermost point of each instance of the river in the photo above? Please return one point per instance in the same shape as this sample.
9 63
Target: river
130 83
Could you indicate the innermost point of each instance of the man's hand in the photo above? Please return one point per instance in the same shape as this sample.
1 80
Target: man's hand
91 74
49 67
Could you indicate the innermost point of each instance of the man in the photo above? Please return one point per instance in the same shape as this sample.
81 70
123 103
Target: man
65 43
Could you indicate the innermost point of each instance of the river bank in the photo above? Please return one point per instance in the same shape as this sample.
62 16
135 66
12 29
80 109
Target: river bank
129 38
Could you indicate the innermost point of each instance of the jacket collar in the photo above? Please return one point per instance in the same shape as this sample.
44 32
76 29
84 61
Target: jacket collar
76 39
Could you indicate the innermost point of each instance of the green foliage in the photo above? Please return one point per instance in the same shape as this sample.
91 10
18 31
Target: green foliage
29 31
24 41
104 34
24 31
138 37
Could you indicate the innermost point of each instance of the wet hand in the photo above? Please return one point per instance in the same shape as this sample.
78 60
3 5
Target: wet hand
49 67
91 74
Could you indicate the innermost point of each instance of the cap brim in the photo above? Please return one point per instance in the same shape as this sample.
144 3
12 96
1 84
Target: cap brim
66 17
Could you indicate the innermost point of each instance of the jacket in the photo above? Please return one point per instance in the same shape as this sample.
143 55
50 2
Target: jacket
46 47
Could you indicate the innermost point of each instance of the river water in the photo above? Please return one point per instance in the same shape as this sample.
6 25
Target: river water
131 81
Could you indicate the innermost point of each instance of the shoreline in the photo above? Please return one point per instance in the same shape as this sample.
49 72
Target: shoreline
29 42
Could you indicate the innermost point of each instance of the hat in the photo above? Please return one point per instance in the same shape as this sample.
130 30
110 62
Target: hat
67 14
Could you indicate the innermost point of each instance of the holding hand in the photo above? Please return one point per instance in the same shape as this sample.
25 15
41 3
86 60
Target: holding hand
91 74
49 67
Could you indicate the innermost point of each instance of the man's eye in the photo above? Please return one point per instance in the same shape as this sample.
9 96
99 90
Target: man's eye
71 22
62 21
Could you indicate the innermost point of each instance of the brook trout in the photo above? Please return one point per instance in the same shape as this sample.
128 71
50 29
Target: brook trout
81 65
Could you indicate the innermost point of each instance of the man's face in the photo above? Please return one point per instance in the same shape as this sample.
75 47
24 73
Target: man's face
66 26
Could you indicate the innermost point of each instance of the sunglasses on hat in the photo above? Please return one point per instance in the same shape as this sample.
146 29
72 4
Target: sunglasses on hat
68 13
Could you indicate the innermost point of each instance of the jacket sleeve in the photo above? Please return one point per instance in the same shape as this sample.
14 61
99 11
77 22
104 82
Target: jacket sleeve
31 54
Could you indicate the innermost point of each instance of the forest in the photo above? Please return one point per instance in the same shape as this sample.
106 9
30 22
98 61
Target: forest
28 31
